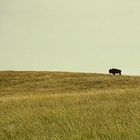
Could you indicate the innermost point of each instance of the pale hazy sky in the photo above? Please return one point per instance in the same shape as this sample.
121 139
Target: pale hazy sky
70 35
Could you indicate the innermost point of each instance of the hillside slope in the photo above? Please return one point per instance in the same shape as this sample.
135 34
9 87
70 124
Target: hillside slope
69 106
21 83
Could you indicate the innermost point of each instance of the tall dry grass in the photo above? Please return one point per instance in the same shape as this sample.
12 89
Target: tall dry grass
69 106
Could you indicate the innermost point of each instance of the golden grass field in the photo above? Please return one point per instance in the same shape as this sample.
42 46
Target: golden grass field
69 106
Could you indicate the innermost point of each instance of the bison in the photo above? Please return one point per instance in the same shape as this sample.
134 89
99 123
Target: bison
115 71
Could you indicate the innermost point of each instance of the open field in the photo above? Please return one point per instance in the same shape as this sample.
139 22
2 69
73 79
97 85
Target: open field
69 106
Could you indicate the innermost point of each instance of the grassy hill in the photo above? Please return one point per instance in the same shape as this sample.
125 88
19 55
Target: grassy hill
69 106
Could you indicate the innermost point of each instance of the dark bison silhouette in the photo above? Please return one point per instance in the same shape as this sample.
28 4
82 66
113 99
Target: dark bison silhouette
115 71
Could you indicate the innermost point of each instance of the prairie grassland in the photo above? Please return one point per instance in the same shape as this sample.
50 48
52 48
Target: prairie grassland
69 106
